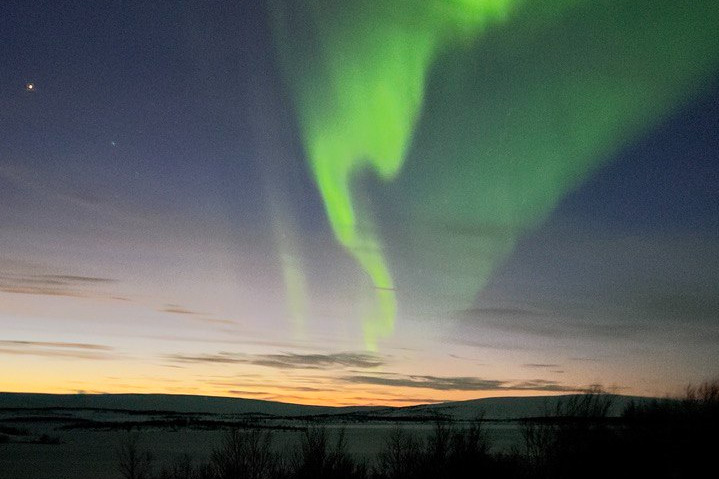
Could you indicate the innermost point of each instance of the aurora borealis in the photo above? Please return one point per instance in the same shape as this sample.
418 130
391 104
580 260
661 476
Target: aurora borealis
359 202
359 74
359 80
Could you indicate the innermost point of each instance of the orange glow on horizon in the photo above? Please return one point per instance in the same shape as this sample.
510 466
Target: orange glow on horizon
395 397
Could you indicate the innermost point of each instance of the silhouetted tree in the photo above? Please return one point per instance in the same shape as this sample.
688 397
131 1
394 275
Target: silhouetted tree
539 437
573 440
449 451
182 468
245 454
133 463
673 437
468 451
401 456
316 459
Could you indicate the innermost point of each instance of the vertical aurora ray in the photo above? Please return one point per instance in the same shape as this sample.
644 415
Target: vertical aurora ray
267 130
357 71
293 275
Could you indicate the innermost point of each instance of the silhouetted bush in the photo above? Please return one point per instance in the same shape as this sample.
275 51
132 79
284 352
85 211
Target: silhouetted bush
401 457
576 436
133 463
317 459
672 438
449 451
245 454
181 469
539 440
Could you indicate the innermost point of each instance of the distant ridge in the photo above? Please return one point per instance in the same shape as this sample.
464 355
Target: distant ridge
502 408
167 402
489 408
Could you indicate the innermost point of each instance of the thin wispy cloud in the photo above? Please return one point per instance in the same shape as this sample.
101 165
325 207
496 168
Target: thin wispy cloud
241 393
55 344
320 361
391 399
412 401
217 321
68 279
234 338
177 309
194 315
47 189
287 360
462 383
53 284
702 306
220 358
501 312
428 382
54 349
246 385
560 324
540 385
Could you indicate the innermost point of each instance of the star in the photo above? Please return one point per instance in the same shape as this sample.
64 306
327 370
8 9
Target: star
29 87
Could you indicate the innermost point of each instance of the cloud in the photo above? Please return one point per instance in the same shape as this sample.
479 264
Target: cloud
462 383
540 365
575 285
52 284
234 338
392 400
541 385
501 312
55 344
68 279
177 309
290 361
507 344
241 393
306 389
585 359
56 349
702 306
429 382
287 360
217 321
195 315
221 358
410 400
559 323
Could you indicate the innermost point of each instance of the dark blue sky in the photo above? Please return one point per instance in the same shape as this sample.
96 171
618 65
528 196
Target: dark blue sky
157 175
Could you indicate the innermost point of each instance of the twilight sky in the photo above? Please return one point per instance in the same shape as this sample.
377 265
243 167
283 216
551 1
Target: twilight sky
368 202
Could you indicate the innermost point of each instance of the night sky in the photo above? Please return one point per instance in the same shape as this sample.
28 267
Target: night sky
370 202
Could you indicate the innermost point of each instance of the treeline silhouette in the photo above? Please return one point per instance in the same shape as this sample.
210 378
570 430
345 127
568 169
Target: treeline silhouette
659 439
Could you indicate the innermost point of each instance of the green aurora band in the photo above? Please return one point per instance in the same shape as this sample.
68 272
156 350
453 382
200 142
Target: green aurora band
491 110
372 59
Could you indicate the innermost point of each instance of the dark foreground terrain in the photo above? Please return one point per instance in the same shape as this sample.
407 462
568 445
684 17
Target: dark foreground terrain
155 437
